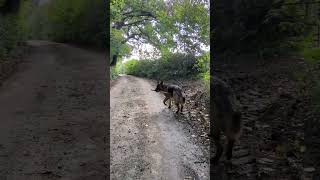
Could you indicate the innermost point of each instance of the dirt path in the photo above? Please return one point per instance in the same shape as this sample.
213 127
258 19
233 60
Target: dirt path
275 111
53 115
147 141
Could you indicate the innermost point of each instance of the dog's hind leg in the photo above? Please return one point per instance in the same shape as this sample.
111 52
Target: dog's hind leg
177 104
165 100
219 147
229 148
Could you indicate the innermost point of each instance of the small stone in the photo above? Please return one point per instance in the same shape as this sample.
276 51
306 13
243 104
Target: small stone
265 161
248 129
241 153
309 169
203 135
266 169
243 160
82 164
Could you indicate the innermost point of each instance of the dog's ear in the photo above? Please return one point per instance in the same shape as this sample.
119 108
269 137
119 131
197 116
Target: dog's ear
161 82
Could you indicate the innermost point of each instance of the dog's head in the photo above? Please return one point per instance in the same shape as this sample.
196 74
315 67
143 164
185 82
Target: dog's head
160 86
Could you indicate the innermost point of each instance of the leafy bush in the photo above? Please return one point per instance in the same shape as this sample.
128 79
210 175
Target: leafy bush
116 70
203 65
311 55
113 73
307 50
174 66
12 34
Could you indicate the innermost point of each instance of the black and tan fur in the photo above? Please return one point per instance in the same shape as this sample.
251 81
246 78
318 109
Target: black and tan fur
171 92
226 117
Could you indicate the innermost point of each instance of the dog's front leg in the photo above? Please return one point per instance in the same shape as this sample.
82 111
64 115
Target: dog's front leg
165 100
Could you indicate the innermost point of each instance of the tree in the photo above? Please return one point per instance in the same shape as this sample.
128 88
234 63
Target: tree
73 21
167 25
11 28
250 26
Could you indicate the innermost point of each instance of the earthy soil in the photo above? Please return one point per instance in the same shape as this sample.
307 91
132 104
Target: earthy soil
148 140
53 115
197 110
276 108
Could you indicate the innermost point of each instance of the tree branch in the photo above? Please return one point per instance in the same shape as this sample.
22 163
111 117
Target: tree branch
133 14
139 13
121 24
148 37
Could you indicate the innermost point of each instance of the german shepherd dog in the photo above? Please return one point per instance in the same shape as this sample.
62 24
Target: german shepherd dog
226 117
171 92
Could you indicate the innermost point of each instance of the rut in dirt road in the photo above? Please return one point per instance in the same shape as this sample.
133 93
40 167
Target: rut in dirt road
53 115
147 141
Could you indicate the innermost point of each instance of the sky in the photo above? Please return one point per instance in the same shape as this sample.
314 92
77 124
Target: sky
135 51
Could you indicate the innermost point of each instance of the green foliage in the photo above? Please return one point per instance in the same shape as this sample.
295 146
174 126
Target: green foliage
115 41
192 18
12 34
74 21
307 50
178 66
116 70
131 67
311 55
261 27
166 25
113 73
115 9
203 65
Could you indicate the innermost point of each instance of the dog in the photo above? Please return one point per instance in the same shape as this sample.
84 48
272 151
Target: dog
226 117
172 92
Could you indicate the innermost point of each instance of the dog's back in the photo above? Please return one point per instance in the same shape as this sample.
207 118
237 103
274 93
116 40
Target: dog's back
225 105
